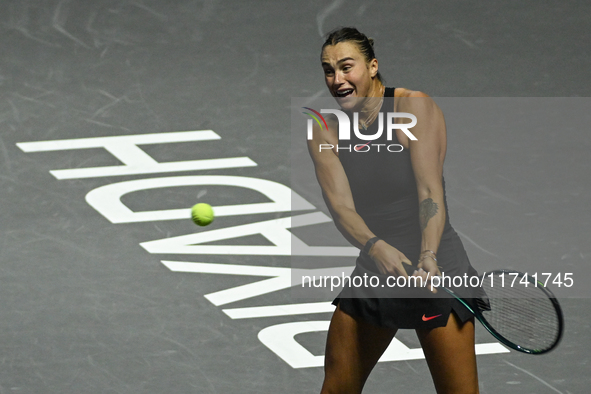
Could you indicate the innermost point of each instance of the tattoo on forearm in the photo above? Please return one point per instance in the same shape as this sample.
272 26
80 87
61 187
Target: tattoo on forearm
427 209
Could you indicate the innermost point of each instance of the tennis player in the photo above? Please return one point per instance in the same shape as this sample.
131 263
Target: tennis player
391 205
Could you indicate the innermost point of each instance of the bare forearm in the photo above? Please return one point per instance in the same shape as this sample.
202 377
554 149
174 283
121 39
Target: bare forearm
432 221
352 226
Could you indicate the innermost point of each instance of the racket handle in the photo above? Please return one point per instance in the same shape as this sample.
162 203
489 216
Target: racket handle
409 269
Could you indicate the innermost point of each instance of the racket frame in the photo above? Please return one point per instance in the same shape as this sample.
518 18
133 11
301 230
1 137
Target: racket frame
500 337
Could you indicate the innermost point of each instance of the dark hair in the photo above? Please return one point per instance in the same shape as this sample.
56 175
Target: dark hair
351 34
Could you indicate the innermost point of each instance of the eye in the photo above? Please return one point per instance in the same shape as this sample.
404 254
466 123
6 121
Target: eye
328 71
347 68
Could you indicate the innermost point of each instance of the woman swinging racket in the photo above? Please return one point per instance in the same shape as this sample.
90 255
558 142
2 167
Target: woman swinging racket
391 205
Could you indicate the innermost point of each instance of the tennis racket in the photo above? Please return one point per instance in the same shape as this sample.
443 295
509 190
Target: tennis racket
518 311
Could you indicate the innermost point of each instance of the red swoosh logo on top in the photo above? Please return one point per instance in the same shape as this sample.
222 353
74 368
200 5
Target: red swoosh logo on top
430 317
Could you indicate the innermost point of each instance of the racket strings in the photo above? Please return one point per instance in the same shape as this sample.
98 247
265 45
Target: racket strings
524 315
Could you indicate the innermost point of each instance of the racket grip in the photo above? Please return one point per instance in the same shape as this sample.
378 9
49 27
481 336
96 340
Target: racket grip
409 269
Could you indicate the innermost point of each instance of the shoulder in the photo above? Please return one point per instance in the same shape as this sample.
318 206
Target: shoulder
404 92
416 102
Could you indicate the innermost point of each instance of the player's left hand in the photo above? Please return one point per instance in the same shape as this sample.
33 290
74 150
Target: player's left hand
430 266
428 269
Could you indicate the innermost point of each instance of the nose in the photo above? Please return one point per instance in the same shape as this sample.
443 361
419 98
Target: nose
338 77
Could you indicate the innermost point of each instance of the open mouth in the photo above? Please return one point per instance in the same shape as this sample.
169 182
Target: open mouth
344 92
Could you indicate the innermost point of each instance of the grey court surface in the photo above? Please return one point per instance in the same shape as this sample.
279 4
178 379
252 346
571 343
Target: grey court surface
107 287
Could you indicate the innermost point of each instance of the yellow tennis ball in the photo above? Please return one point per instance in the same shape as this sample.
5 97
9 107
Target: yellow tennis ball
202 214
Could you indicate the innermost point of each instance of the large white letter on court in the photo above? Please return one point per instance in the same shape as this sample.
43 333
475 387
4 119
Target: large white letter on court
276 230
107 199
136 161
280 340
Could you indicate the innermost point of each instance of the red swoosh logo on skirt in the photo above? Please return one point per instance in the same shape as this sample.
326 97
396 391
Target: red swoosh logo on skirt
430 317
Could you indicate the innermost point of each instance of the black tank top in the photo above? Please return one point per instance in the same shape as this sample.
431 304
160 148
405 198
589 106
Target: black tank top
383 185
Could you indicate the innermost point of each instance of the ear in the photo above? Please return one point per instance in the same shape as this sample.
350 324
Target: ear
373 67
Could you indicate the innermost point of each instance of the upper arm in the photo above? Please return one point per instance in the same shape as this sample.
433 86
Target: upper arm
329 171
428 151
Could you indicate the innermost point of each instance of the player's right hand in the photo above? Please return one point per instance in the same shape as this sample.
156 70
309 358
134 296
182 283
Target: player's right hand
388 259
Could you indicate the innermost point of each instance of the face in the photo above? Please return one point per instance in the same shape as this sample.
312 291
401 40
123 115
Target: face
347 74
